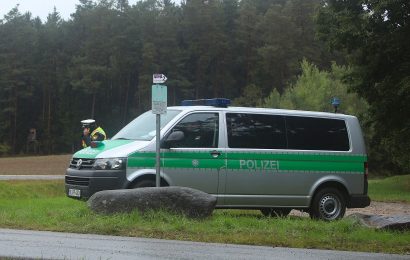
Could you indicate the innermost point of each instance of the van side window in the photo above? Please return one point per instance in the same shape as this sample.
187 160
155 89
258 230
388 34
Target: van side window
308 133
257 131
201 130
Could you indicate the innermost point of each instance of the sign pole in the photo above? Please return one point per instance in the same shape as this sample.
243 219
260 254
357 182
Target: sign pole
159 106
158 150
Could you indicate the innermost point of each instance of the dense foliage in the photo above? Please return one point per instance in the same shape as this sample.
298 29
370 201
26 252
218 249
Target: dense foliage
376 35
99 63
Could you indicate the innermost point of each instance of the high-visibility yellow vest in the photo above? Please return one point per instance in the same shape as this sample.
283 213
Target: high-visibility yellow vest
93 136
84 145
100 131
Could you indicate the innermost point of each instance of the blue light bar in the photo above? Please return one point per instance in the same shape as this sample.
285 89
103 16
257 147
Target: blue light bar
335 101
216 102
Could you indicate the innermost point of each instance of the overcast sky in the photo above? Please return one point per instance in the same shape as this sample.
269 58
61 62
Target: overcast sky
43 7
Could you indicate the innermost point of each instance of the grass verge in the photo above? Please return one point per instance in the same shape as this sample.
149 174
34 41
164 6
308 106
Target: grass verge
42 205
391 189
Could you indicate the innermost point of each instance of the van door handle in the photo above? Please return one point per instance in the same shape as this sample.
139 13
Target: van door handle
215 154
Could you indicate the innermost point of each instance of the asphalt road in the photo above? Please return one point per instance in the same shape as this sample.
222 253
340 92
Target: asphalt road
51 245
31 177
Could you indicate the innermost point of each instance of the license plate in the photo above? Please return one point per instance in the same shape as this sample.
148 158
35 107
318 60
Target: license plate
74 193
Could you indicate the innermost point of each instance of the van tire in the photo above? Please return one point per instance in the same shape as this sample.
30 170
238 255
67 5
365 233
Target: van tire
275 212
143 184
328 204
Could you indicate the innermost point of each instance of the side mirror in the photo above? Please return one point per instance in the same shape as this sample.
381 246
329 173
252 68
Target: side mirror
171 139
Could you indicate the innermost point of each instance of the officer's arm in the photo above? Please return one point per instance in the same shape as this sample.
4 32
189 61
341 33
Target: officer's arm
98 137
87 140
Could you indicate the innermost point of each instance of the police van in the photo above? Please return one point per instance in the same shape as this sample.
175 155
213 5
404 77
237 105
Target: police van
274 160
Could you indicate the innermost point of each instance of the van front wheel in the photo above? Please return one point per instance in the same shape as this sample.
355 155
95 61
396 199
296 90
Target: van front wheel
275 212
142 184
328 204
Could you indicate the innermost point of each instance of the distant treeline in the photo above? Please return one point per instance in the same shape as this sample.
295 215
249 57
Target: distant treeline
99 63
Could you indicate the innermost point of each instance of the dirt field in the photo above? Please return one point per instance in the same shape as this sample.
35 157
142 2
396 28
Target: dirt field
35 165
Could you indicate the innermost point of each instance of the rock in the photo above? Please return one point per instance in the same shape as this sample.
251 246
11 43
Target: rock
190 202
396 222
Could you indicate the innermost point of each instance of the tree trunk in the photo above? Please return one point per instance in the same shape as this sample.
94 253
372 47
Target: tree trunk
127 90
139 98
174 99
44 103
14 131
49 121
93 105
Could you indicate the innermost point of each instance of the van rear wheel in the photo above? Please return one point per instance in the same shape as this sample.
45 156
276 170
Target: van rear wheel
275 212
328 204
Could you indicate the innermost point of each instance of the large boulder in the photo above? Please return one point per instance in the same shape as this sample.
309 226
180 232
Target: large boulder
397 222
190 202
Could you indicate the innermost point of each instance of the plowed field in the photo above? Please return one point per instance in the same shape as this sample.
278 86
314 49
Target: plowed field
35 165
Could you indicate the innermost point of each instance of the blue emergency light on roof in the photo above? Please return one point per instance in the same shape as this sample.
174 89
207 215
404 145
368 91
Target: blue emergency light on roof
335 101
216 102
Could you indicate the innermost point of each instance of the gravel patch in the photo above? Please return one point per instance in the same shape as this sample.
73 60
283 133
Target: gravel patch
375 208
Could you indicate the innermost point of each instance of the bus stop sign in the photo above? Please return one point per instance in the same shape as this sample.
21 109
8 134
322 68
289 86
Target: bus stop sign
159 99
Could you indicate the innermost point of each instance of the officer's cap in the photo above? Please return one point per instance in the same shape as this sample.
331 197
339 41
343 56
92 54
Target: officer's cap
87 122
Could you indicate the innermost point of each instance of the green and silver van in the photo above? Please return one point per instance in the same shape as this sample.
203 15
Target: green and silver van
274 160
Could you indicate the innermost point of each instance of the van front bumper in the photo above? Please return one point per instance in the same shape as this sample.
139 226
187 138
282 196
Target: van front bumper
358 201
88 182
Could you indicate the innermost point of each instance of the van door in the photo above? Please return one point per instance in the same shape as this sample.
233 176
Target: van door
195 161
252 174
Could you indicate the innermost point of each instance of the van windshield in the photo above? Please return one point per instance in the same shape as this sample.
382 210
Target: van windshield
144 126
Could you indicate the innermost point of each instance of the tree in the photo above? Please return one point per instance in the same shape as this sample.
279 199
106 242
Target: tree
277 54
207 45
18 38
252 95
91 67
275 39
314 89
50 66
247 41
375 34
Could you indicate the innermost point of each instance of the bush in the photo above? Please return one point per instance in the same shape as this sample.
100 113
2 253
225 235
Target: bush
4 149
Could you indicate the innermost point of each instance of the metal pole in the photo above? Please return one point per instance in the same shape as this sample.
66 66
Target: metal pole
158 149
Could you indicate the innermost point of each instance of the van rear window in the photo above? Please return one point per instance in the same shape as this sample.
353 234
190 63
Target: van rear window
261 131
308 133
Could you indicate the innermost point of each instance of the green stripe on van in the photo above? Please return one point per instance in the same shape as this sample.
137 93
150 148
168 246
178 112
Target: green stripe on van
177 155
179 162
253 161
296 156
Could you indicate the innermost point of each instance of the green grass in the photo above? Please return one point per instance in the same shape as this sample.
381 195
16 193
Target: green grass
392 189
42 205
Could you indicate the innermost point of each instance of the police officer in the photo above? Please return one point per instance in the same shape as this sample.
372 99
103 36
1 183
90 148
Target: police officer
91 132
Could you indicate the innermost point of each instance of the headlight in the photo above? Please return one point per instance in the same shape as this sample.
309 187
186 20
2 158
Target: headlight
110 164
